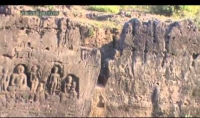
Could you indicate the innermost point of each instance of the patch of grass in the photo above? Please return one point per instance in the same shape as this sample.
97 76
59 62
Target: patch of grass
105 8
128 7
100 24
91 32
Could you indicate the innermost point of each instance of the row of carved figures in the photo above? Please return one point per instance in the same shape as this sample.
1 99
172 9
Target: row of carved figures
18 82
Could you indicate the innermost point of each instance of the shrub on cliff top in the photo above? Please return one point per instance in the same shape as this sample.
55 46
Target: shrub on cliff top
104 8
177 10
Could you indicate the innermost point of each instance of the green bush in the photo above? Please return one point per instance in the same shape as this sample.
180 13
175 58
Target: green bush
166 10
128 7
176 10
103 8
91 32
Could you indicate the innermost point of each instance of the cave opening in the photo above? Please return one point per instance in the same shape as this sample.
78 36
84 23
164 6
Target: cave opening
195 55
47 48
102 80
29 44
103 76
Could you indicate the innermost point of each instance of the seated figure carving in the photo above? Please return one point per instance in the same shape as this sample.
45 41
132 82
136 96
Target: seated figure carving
5 78
18 80
34 78
73 92
54 80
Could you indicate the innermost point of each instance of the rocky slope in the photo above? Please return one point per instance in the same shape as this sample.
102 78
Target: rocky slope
157 72
148 68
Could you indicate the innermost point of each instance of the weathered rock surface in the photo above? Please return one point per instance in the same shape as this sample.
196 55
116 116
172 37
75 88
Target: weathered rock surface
152 69
47 43
157 72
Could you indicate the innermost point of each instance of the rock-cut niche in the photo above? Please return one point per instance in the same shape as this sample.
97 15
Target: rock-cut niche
59 72
74 79
25 72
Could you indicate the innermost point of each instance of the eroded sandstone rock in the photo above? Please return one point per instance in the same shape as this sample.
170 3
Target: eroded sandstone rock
155 53
39 59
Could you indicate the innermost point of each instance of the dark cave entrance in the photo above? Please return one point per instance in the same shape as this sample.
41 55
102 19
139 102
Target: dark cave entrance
104 75
102 80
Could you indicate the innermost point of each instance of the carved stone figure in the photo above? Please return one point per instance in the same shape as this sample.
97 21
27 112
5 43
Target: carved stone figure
40 92
68 85
18 80
54 80
5 80
34 78
73 91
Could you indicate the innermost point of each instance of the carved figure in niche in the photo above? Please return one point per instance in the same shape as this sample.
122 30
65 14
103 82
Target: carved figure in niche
156 98
68 85
5 80
54 80
73 91
18 80
34 78
40 92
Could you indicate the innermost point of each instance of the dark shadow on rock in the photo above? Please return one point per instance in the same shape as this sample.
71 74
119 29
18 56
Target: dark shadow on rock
107 52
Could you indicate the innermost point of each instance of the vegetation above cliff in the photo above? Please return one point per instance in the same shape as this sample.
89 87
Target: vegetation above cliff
173 11
114 16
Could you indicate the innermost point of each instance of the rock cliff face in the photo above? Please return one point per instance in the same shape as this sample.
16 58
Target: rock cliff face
59 67
157 72
46 44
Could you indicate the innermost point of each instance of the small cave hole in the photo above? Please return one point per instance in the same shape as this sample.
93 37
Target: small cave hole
101 102
71 47
47 48
29 44
28 31
7 27
195 56
22 28
193 63
173 38
102 80
154 41
134 49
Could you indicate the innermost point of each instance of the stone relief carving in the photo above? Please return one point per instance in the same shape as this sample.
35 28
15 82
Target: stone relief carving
18 80
73 93
5 79
26 83
68 85
22 54
70 88
54 81
40 95
85 53
34 78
